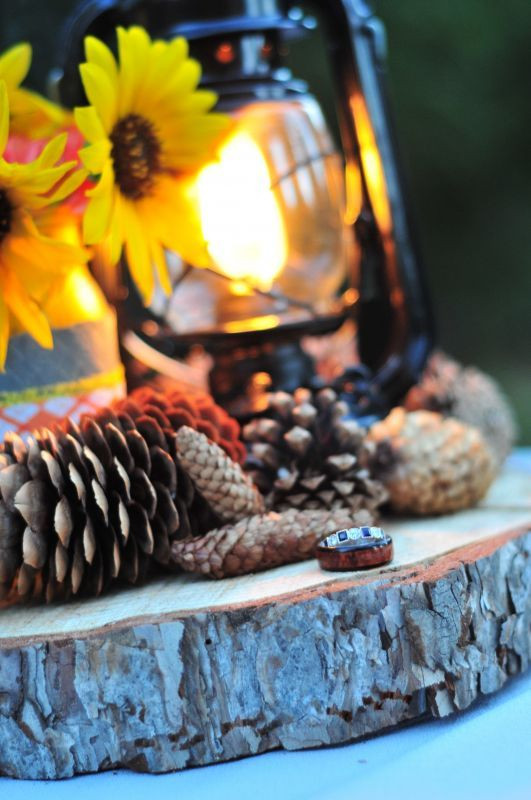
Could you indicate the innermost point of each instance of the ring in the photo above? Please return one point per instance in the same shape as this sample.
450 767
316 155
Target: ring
355 548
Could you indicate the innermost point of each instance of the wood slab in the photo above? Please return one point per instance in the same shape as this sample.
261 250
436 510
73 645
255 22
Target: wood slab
185 672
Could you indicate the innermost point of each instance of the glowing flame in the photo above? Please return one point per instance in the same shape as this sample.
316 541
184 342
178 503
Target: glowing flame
372 164
240 217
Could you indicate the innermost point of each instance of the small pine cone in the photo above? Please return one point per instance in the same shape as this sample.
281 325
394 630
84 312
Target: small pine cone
431 465
305 453
469 395
221 481
197 410
262 542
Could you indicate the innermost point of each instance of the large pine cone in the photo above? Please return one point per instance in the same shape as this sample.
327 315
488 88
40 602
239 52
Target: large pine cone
83 505
304 454
431 465
469 395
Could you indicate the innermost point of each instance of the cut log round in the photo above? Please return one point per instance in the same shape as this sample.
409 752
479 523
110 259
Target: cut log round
184 672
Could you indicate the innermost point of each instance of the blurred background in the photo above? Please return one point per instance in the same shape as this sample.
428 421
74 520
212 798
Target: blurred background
460 76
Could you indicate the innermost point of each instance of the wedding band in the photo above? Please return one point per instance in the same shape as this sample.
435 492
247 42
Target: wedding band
355 548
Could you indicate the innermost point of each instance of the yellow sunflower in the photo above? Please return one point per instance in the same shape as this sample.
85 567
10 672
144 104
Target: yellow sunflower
31 114
149 128
30 263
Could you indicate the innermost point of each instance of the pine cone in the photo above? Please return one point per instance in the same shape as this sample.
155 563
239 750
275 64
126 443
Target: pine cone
431 465
84 505
227 489
196 410
469 395
304 453
262 542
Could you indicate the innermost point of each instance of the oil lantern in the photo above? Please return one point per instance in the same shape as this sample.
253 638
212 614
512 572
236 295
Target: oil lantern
305 235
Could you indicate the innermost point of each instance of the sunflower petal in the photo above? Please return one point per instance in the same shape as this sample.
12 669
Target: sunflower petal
160 59
29 252
138 255
163 68
186 78
100 93
175 201
127 72
199 102
97 217
15 64
116 236
25 310
89 123
108 251
176 53
133 49
32 182
4 117
139 43
69 185
52 152
98 53
95 156
36 117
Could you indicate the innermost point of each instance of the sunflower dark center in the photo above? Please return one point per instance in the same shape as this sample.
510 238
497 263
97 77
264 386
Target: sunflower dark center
135 154
6 214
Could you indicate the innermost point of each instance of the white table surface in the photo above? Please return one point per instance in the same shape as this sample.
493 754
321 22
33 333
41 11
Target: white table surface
482 753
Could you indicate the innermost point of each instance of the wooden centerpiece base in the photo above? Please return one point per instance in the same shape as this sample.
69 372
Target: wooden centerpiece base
185 672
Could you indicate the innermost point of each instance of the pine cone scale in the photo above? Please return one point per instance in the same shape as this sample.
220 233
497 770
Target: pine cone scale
63 523
32 501
12 478
118 446
34 548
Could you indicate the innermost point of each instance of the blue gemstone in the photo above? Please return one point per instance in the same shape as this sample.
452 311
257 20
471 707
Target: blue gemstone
342 535
365 531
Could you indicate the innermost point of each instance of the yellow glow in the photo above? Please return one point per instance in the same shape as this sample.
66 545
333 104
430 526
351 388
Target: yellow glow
351 296
240 289
255 324
353 193
240 217
78 299
372 164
